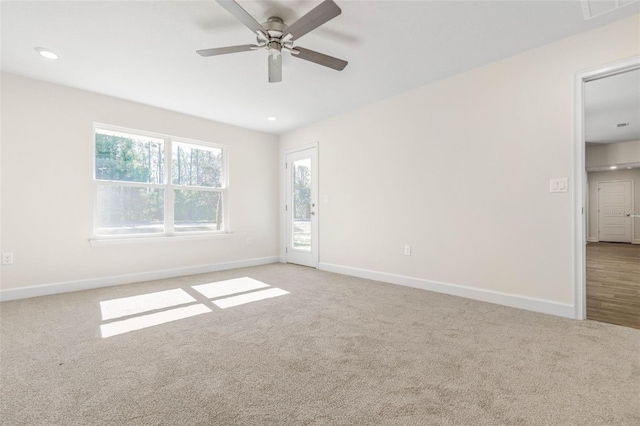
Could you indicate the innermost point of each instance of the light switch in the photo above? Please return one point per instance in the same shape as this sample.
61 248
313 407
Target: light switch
559 185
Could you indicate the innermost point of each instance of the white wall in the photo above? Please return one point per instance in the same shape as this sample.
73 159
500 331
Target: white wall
594 178
612 154
460 170
47 187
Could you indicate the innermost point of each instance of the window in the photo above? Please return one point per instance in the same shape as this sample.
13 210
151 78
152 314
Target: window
149 184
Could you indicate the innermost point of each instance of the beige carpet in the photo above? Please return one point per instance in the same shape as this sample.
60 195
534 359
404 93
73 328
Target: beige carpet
335 350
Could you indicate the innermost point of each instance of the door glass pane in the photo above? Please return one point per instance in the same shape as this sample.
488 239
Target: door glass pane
197 210
301 204
129 210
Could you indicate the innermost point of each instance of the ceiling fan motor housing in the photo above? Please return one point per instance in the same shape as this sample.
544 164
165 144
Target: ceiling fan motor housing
275 28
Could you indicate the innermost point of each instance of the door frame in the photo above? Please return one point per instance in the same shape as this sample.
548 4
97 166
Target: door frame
580 177
316 175
633 206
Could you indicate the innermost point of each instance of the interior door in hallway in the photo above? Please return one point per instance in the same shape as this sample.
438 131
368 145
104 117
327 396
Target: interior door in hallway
614 212
302 207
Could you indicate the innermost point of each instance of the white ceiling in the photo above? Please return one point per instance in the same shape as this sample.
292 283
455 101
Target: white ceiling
611 101
145 51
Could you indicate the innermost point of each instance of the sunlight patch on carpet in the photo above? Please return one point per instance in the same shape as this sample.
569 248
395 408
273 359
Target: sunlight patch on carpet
124 306
150 309
138 323
228 287
229 302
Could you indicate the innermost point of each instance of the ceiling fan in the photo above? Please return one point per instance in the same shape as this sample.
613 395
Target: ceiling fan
276 37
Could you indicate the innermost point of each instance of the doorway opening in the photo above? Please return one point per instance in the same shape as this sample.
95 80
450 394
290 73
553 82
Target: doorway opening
607 175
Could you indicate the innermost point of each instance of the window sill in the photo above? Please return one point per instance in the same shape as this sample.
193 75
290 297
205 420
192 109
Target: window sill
103 241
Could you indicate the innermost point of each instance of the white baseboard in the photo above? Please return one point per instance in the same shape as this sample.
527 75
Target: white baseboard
69 286
595 240
506 299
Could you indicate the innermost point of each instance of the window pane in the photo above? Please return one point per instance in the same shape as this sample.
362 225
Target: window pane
194 165
129 158
302 204
129 210
197 210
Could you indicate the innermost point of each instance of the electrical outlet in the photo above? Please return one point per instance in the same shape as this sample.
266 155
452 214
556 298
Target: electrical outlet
407 250
7 258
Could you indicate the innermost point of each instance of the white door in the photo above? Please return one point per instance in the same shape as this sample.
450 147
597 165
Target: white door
302 207
614 211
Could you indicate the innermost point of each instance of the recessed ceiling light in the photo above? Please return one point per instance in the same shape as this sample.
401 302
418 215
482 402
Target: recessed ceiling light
613 167
272 118
46 53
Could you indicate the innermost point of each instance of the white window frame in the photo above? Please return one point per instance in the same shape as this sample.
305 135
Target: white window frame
168 187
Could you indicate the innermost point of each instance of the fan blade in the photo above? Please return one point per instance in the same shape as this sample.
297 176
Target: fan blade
224 50
236 10
275 69
320 58
324 12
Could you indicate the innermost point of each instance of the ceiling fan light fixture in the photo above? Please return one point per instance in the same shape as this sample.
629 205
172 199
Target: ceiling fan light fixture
47 53
274 48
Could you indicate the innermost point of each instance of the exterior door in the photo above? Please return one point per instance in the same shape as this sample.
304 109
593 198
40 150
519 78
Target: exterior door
302 207
614 211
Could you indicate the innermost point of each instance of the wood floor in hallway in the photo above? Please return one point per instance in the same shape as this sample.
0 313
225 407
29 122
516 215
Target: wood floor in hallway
613 283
